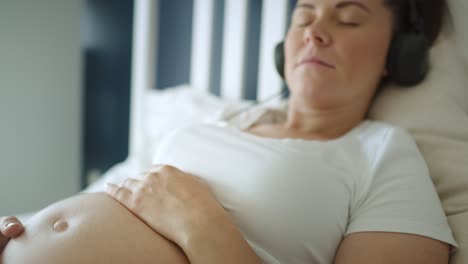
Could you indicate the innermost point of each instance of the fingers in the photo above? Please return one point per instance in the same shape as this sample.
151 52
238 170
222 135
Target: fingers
163 170
11 227
119 193
3 243
130 184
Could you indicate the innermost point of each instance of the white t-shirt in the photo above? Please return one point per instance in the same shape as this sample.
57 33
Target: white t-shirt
294 200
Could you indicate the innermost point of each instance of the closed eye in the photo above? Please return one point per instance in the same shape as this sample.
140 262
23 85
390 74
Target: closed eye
350 24
302 19
304 24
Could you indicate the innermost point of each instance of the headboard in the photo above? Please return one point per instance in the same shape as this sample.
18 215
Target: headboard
273 25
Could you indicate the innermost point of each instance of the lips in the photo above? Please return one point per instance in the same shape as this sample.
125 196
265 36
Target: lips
315 60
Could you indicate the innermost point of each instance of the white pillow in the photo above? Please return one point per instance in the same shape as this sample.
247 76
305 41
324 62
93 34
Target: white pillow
177 107
436 113
165 111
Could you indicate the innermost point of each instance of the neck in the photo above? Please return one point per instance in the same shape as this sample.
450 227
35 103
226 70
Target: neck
323 124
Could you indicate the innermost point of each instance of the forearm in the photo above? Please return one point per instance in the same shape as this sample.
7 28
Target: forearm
220 242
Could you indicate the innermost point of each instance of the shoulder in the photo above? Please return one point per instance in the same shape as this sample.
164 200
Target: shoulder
390 152
393 163
382 132
378 140
396 196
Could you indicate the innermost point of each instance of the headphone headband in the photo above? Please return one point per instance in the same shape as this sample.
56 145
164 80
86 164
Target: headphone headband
416 20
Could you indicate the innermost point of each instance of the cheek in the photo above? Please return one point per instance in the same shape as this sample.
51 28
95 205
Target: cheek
290 51
367 55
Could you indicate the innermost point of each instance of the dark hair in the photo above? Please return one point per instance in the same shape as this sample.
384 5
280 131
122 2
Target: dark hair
432 12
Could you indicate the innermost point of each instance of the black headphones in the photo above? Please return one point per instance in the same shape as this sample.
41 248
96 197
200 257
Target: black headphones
408 56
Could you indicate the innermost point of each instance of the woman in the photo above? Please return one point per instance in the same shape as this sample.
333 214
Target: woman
323 186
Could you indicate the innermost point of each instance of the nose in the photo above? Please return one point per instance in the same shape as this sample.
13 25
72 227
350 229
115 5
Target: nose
317 34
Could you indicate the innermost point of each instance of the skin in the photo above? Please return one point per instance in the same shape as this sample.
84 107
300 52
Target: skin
335 57
94 228
10 227
174 194
89 228
326 102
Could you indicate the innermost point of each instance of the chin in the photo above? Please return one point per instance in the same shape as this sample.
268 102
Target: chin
310 87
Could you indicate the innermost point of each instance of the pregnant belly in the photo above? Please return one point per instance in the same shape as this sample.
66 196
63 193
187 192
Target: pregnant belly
89 228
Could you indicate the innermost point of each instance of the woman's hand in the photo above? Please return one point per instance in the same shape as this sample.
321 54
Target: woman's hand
182 208
10 227
175 204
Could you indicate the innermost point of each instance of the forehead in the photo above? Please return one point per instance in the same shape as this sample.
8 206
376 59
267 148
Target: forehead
374 7
334 3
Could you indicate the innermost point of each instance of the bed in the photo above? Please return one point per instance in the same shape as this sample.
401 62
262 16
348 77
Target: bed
434 112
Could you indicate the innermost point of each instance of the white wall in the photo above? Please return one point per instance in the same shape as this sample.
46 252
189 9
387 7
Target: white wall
40 103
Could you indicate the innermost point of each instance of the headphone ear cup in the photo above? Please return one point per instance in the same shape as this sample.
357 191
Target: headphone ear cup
408 62
279 58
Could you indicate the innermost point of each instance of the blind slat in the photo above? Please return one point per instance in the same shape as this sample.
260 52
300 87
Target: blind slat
145 30
202 37
234 49
273 28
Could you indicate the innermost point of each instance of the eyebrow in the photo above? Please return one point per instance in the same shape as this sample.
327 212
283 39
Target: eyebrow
351 3
340 5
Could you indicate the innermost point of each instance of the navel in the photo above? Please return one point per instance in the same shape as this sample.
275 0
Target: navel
60 226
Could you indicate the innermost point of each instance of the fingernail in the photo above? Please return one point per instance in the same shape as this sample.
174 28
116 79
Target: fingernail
11 224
